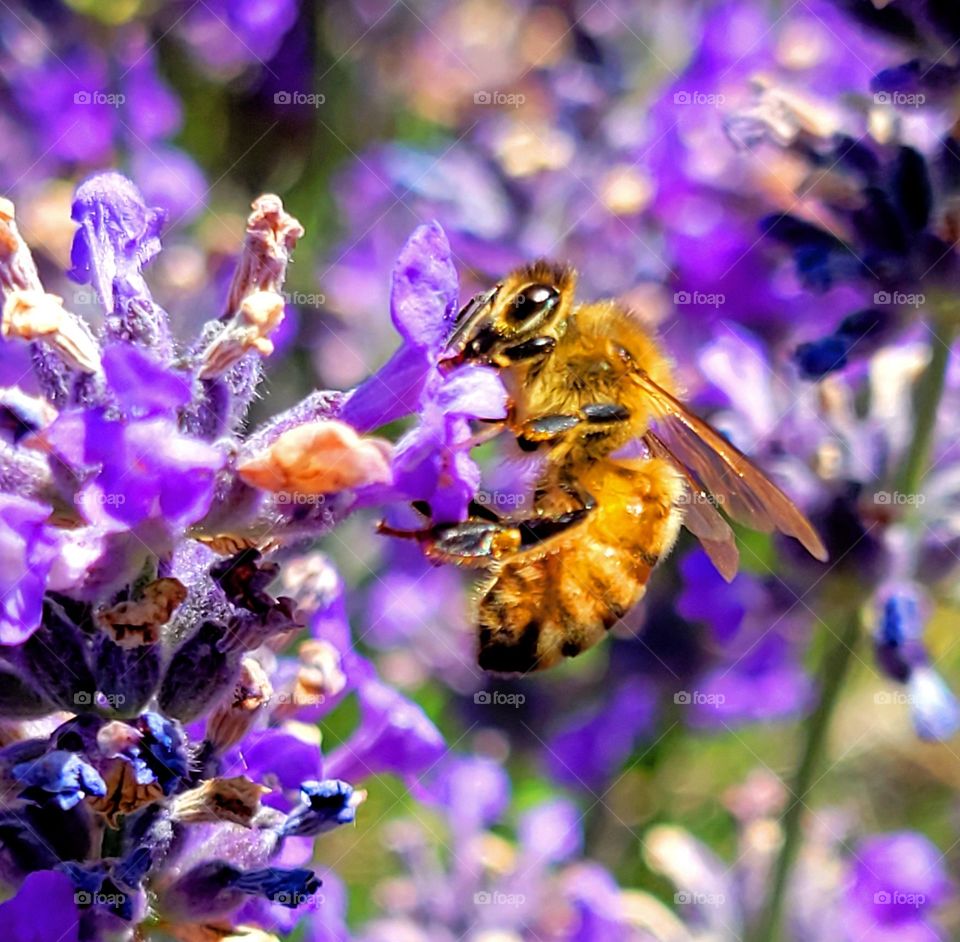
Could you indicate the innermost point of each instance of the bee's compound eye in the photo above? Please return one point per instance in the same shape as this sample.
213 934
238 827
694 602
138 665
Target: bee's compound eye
532 301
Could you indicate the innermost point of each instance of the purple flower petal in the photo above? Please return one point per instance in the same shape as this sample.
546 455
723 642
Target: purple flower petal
769 683
27 553
424 294
709 599
328 923
143 386
157 111
593 744
896 880
551 832
118 235
172 180
394 735
474 391
280 760
474 791
142 469
43 909
391 393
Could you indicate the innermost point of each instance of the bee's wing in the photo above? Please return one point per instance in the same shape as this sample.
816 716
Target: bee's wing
746 494
701 518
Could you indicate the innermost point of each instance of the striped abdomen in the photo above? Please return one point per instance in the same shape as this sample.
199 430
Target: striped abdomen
558 598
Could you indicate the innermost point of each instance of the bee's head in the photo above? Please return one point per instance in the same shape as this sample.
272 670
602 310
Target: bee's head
532 302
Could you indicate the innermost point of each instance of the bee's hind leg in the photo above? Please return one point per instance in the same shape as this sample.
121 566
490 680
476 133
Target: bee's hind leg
473 543
480 542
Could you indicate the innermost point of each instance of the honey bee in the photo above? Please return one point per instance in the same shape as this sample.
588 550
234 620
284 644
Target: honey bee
584 381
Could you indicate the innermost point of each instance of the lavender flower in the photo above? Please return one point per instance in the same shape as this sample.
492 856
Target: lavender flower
137 695
897 883
528 889
431 462
28 555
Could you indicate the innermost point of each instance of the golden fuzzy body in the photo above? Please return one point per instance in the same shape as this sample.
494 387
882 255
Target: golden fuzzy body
599 351
560 598
584 381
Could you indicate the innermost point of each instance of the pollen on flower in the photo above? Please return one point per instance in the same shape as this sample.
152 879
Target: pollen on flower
318 458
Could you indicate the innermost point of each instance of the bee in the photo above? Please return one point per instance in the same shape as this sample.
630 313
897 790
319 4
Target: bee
584 382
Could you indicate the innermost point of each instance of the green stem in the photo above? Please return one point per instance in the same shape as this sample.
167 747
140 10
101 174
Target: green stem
836 665
839 654
926 401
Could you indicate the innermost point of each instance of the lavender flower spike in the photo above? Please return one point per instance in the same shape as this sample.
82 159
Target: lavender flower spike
254 306
118 235
135 661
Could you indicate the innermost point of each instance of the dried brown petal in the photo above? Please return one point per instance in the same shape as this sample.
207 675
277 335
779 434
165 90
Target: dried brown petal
272 234
230 721
136 622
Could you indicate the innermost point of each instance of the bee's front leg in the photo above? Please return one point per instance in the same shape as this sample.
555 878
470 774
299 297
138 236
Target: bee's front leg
551 428
535 349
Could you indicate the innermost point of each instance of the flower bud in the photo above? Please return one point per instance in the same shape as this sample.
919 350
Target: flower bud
233 718
318 458
36 315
